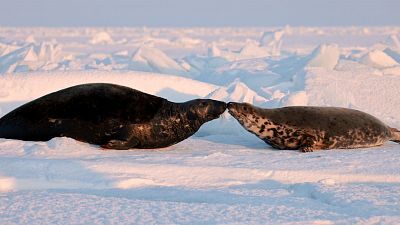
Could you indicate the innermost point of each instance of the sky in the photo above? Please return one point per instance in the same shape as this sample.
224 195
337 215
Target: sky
207 13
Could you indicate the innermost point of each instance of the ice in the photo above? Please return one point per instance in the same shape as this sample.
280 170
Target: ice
296 99
393 41
324 56
378 59
30 58
30 39
188 42
101 37
252 50
237 92
395 54
223 174
6 184
273 41
154 60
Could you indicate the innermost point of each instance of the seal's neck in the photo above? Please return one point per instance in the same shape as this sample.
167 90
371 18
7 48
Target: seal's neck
177 118
188 120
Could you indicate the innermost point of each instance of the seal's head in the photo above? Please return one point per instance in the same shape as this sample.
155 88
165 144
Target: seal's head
250 117
205 109
245 113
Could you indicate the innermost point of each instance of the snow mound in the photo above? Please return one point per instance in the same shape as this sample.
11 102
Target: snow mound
22 88
346 65
377 95
324 56
30 39
296 99
378 59
101 38
237 92
154 60
6 184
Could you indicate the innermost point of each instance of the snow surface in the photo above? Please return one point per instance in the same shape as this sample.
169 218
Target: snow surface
223 174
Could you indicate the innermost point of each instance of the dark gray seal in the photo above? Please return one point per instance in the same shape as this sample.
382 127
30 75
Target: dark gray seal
312 128
109 115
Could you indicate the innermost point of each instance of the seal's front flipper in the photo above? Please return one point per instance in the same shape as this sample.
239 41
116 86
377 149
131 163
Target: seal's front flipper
308 145
121 144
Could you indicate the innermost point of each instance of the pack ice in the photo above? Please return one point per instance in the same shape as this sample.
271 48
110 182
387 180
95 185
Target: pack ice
223 174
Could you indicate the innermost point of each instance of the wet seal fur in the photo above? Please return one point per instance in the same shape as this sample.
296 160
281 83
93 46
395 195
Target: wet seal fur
313 128
109 115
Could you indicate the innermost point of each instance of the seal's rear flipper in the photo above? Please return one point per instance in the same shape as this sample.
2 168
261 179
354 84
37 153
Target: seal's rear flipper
395 135
121 144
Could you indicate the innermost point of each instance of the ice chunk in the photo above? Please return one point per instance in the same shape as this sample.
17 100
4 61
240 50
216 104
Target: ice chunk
273 41
101 38
393 41
378 59
237 92
30 57
154 60
253 50
324 56
30 39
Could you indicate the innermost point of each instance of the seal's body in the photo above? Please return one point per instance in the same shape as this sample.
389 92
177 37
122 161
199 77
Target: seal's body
313 128
109 115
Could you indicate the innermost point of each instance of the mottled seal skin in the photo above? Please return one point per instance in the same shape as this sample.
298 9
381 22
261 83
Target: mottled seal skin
109 115
313 128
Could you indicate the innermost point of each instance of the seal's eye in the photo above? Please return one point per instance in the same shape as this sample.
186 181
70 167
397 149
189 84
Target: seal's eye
244 108
203 104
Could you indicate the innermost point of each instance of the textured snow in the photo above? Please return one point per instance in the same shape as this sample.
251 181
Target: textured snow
325 56
101 37
378 59
154 60
222 174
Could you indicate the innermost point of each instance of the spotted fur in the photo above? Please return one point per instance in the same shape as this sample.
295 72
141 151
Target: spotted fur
313 128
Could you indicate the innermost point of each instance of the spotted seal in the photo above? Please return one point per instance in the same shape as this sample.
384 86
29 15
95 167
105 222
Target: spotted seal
109 115
313 128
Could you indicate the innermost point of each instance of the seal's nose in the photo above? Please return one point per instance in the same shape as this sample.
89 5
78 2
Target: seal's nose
231 105
218 107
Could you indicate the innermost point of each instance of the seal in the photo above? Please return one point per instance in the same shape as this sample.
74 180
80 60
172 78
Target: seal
312 128
109 115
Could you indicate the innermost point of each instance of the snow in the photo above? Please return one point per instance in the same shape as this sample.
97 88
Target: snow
30 57
273 41
222 174
378 59
101 37
237 92
324 56
152 59
393 41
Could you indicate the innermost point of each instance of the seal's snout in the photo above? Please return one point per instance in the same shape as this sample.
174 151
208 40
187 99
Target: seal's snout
235 107
232 106
218 107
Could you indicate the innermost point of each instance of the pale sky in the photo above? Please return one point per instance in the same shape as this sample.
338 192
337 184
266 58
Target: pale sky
178 13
